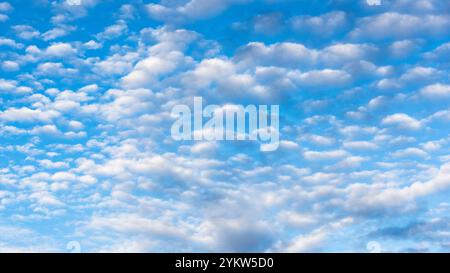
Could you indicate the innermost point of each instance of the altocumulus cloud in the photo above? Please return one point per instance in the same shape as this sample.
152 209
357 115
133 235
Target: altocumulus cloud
86 153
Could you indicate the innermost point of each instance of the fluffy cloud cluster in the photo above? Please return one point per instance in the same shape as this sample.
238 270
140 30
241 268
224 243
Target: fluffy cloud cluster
85 116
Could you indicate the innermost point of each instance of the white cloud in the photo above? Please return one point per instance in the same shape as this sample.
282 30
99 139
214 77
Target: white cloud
344 53
282 54
92 88
410 153
4 17
314 240
402 121
189 10
25 114
60 50
117 64
327 78
324 155
10 66
10 43
7 85
296 55
56 33
150 69
297 220
48 164
113 31
98 139
45 129
76 125
370 197
436 91
208 71
319 140
324 25
12 87
360 145
54 70
92 45
204 148
406 26
127 11
5 7
45 198
421 74
441 53
137 224
26 32
404 48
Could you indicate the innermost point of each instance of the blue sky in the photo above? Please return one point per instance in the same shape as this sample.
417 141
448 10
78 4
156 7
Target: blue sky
86 93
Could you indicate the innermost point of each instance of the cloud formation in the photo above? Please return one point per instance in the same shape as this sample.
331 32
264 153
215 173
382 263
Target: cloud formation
85 116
